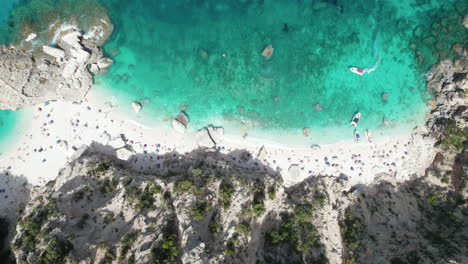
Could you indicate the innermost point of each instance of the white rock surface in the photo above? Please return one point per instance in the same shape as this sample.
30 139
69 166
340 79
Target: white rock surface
294 172
58 54
178 126
104 63
136 106
93 68
216 133
203 138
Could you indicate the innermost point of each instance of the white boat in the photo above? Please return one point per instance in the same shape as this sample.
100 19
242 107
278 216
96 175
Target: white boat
355 120
357 70
368 136
357 136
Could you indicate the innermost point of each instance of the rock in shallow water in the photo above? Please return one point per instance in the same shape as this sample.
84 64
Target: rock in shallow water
306 131
268 51
385 97
136 106
318 107
180 122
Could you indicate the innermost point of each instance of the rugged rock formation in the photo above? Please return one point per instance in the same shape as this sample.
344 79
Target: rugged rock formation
209 136
411 223
205 211
47 73
449 81
180 123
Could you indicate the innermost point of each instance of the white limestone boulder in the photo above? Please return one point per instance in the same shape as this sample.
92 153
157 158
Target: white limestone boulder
136 107
58 54
104 63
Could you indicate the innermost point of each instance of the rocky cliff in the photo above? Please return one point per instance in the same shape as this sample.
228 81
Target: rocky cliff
207 211
60 68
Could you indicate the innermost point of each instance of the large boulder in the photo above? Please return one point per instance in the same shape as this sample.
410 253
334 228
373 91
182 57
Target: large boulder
209 136
104 63
294 172
136 107
203 138
268 51
180 122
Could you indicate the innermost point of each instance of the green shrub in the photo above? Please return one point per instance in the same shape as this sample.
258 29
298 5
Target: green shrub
140 199
214 226
167 252
259 209
243 228
109 257
258 199
156 189
126 243
109 218
198 211
297 231
55 252
127 180
226 190
433 200
445 179
351 228
455 136
231 245
108 186
183 186
272 192
102 167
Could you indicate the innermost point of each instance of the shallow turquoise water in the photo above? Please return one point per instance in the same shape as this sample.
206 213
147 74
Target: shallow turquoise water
205 56
170 54
9 120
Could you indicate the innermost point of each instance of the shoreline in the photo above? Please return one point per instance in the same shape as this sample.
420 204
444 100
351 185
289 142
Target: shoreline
65 126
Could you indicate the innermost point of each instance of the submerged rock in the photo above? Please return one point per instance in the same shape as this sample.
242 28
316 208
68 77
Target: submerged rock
465 21
458 48
385 121
268 51
385 97
318 107
306 131
136 106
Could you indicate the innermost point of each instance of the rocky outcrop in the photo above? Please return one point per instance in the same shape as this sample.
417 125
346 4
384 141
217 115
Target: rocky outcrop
49 73
209 136
180 123
449 81
136 107
206 210
268 51
415 222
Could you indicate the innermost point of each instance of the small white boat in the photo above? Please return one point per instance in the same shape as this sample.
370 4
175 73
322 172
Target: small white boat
368 136
357 136
357 70
355 120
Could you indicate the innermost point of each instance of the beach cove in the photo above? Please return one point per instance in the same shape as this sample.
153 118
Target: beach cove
320 144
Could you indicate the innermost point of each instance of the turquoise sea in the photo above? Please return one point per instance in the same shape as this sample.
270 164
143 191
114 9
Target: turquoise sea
9 120
204 57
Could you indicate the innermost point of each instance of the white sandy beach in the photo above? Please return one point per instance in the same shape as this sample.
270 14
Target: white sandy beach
58 128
